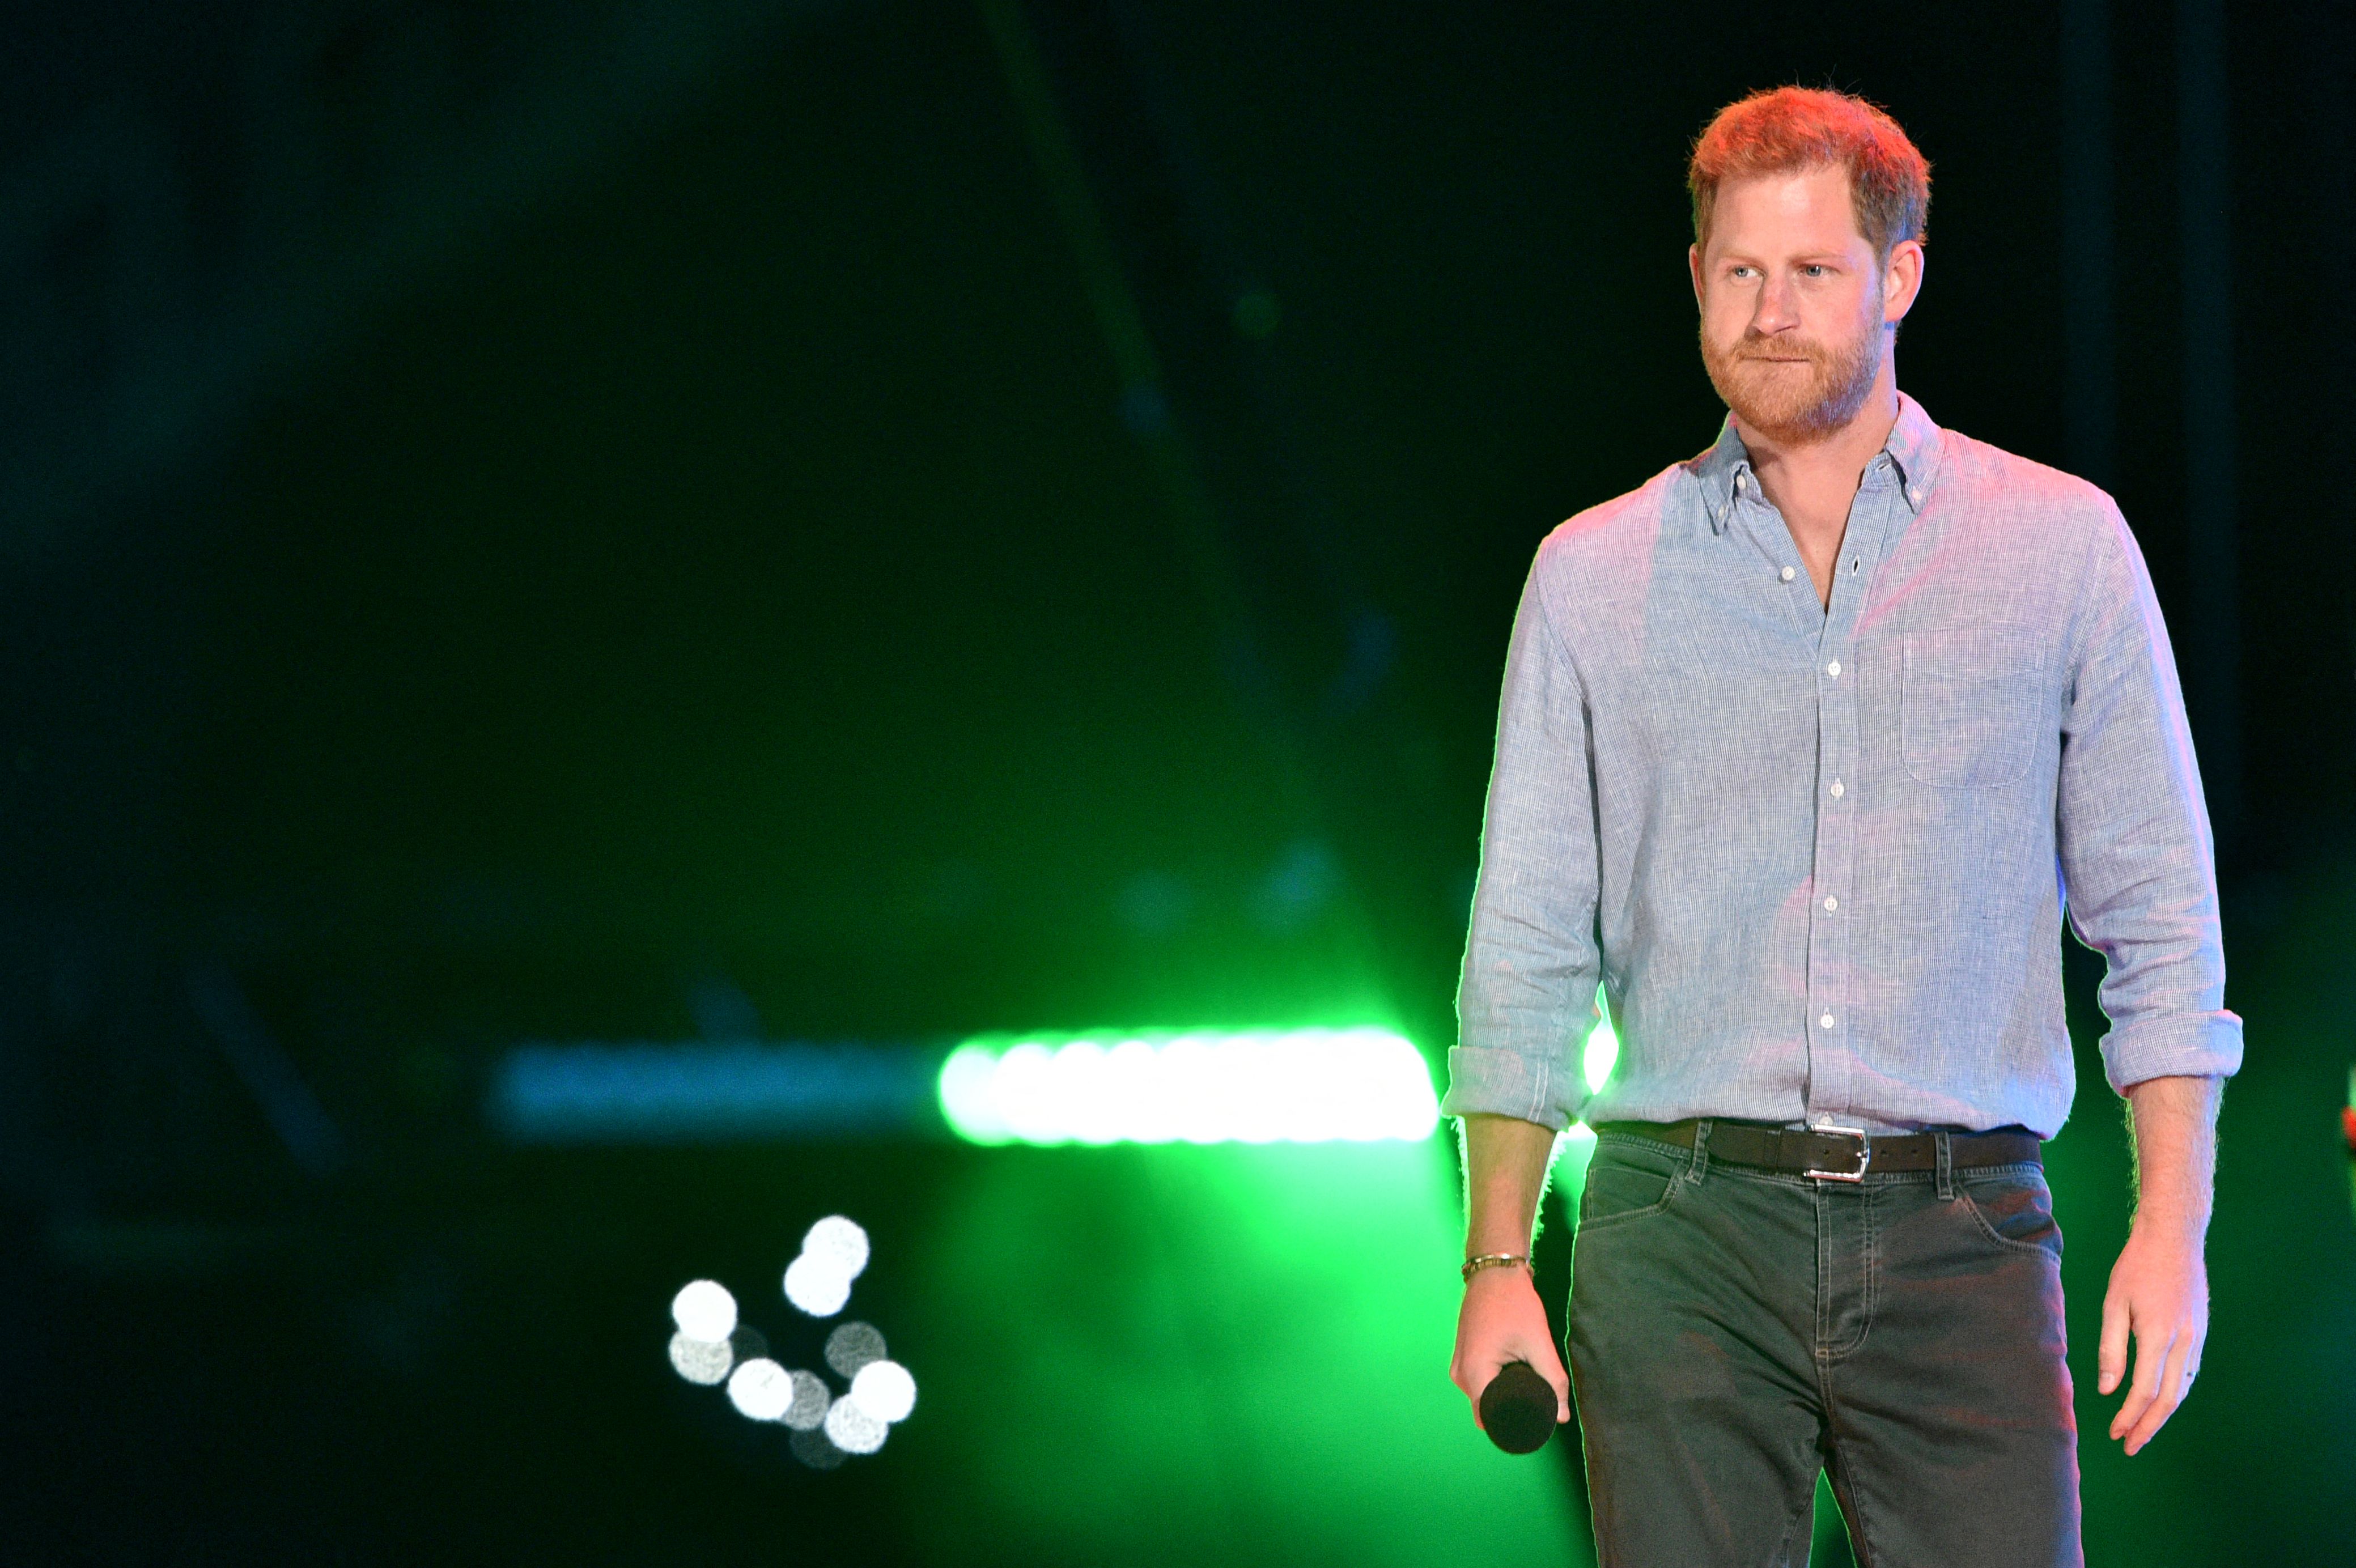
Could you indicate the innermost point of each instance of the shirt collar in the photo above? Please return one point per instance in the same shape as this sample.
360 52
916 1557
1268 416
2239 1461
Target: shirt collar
1913 447
1718 468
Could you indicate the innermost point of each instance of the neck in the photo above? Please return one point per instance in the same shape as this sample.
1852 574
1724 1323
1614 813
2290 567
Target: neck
1813 482
1834 456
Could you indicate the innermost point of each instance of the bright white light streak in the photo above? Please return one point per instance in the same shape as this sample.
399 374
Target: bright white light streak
1247 1069
1076 1086
1133 1080
1602 1053
1188 1065
883 1390
704 1310
701 1360
1019 1090
1308 1085
817 1286
854 1428
966 1101
761 1390
840 1243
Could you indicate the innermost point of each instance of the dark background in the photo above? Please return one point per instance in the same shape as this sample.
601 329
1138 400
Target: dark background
537 523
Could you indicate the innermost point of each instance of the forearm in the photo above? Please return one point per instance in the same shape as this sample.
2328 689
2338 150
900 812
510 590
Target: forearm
2175 1125
1502 1321
2159 1287
1505 1164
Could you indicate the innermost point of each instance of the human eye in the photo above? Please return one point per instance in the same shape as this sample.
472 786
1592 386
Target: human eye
1816 270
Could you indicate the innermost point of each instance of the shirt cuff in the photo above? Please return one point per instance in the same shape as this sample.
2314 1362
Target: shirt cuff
1484 1080
2186 1045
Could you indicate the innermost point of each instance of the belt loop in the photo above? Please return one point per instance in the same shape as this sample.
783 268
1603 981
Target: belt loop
1700 1167
1946 1163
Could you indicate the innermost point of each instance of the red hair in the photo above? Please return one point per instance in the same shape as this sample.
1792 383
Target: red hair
1791 130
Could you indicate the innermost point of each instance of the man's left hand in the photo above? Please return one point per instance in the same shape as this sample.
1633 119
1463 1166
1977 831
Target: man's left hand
2159 1293
2159 1286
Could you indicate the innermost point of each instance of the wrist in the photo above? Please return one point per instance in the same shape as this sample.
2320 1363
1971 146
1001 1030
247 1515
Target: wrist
2169 1224
1500 1263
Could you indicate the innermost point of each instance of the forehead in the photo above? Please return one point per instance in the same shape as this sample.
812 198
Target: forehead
1807 209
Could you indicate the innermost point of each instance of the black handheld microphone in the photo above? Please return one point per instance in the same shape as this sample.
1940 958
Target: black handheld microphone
1517 1409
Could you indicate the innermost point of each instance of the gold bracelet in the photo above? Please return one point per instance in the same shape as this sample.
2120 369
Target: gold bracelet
1495 1260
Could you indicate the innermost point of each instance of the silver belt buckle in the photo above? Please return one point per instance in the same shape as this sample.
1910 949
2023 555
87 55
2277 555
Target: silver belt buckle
1864 1154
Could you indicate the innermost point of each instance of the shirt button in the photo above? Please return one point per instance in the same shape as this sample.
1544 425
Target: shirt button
1837 791
1831 904
1915 495
1833 669
1825 1021
1787 574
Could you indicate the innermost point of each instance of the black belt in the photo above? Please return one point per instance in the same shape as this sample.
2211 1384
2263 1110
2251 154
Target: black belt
1839 1154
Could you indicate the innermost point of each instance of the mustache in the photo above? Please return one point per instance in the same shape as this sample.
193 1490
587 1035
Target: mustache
1781 348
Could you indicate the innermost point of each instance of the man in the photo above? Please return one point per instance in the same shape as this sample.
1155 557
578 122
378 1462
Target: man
1805 746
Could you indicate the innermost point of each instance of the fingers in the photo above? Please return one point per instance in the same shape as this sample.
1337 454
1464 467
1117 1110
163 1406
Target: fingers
1474 1376
2174 1382
2159 1298
2164 1367
2111 1360
1502 1321
1557 1380
2151 1361
1471 1377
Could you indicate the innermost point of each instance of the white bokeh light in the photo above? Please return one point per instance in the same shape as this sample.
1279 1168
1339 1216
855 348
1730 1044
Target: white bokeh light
884 1389
815 1449
704 1310
840 1243
854 1428
817 1285
853 1346
761 1390
811 1400
701 1360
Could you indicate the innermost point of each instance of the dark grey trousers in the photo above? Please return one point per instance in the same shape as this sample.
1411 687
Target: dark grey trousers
1733 1330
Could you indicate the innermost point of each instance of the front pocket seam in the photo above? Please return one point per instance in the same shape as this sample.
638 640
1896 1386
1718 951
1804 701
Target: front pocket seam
1988 1227
1605 1221
1908 706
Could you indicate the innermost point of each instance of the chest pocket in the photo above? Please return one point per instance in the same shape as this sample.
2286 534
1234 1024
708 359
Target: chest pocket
1973 701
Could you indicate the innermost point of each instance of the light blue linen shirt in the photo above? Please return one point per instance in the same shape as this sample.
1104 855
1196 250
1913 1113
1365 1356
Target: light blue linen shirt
1819 856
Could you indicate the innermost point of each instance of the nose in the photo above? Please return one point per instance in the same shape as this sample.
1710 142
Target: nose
1773 311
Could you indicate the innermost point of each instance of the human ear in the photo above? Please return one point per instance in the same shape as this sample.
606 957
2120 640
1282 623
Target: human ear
1693 265
1901 279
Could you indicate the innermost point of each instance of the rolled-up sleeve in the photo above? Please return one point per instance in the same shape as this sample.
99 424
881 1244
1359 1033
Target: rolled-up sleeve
1527 996
2133 834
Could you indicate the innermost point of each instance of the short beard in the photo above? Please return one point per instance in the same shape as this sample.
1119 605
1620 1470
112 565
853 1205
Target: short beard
1782 406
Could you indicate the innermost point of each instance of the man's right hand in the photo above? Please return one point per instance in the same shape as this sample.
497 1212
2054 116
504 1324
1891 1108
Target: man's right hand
1502 1320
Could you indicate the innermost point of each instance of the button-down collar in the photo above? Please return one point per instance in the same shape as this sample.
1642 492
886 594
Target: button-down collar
1912 448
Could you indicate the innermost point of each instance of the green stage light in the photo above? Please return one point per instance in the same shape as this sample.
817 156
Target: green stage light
1603 1053
1307 1085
